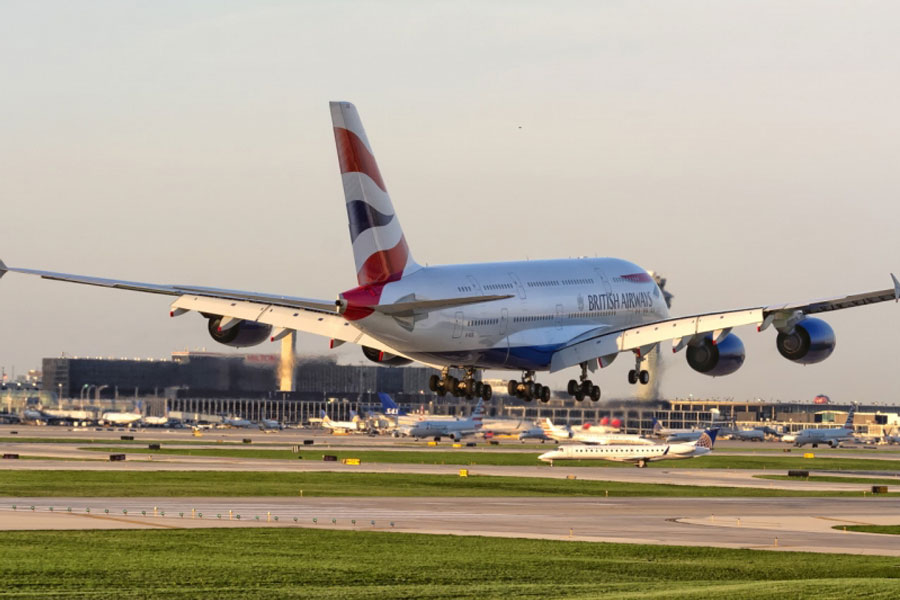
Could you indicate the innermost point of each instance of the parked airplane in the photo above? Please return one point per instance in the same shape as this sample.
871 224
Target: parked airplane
453 429
354 424
121 418
567 434
236 422
535 433
640 455
744 435
893 437
527 316
832 436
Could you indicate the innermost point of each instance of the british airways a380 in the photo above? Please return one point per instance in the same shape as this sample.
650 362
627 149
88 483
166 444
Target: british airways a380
529 317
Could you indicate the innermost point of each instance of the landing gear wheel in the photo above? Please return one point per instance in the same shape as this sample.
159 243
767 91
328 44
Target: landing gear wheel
595 393
434 382
453 384
632 377
529 390
486 392
579 395
545 394
586 386
441 391
512 388
479 388
573 387
644 377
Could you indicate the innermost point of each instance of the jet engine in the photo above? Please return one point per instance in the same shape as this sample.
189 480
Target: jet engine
716 360
811 341
384 358
244 333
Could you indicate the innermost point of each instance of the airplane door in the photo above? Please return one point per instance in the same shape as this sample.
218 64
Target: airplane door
604 281
504 320
475 285
458 325
519 287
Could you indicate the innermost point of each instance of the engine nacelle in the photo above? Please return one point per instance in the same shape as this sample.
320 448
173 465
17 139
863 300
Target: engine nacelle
811 341
245 333
383 358
716 360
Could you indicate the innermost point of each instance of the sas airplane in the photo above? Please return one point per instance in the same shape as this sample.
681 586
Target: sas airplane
528 316
640 455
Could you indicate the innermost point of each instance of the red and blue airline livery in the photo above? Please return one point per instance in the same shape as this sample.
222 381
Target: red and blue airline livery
528 317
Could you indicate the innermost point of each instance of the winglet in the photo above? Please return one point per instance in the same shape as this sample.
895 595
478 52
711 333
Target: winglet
894 277
3 270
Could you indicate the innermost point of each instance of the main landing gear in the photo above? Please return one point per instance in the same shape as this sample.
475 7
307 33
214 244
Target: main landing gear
584 387
528 389
637 373
468 387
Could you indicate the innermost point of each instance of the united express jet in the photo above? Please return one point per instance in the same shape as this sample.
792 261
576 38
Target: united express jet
530 317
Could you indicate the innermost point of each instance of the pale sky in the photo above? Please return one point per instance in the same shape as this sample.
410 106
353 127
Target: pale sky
748 151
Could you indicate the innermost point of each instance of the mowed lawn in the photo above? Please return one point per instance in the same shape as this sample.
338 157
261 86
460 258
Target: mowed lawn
85 483
297 563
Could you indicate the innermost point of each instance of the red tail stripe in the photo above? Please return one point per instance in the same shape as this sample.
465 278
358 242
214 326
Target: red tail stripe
385 265
354 157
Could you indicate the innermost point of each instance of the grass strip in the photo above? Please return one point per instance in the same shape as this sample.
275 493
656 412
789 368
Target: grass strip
297 563
833 479
888 529
83 483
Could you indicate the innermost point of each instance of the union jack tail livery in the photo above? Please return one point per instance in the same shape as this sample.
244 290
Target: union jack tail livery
379 246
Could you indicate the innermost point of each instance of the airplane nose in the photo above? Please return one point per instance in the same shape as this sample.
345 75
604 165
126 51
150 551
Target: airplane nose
547 456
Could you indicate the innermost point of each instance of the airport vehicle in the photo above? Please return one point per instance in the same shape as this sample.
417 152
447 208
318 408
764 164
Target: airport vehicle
355 424
637 454
455 430
832 436
527 316
563 433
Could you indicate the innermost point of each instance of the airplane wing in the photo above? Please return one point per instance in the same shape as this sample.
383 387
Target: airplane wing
602 342
284 313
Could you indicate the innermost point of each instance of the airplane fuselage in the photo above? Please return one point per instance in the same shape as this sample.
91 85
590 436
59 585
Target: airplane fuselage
551 302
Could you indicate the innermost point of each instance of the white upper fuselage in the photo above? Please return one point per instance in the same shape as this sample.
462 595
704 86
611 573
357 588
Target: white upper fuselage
551 303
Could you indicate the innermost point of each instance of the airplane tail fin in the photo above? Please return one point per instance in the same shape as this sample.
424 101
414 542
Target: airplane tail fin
389 406
848 424
657 427
478 413
325 418
547 426
379 246
707 439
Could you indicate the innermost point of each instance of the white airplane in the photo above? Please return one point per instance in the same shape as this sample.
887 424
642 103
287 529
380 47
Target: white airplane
640 455
236 422
453 429
527 316
832 436
566 434
354 424
120 418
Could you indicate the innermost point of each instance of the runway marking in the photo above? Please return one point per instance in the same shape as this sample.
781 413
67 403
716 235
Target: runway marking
130 521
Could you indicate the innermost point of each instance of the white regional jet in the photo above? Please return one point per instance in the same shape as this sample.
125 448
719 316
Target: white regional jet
527 316
640 455
567 434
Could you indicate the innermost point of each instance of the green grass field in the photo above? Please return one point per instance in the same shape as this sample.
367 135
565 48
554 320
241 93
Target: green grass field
888 529
834 479
252 483
296 563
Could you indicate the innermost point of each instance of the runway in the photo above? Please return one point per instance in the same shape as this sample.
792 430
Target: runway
798 524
